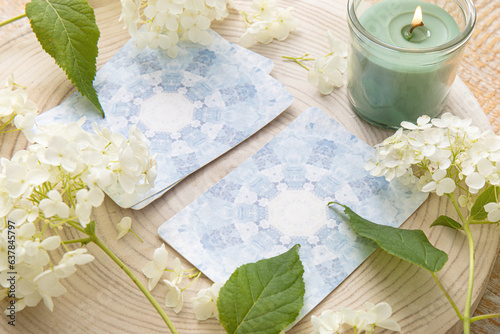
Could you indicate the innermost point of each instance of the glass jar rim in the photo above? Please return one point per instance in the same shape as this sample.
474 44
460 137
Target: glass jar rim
449 46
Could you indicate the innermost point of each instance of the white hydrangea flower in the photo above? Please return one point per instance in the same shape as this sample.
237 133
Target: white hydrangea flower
26 123
375 168
44 188
54 205
475 181
130 15
357 319
165 22
264 9
174 297
423 122
337 47
77 257
20 180
25 211
36 251
48 286
60 152
154 269
440 183
328 322
493 210
257 32
382 312
195 27
177 274
171 6
54 184
458 127
205 302
85 200
327 73
16 109
100 177
266 23
123 227
284 24
438 147
67 265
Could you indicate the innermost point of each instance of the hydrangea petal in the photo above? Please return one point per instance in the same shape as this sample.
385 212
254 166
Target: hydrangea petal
475 180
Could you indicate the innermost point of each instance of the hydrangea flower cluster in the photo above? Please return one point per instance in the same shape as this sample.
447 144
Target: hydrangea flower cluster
154 271
53 184
330 322
328 70
439 155
168 21
267 22
16 109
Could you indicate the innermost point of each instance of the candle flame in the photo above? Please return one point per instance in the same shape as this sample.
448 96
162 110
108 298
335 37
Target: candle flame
417 18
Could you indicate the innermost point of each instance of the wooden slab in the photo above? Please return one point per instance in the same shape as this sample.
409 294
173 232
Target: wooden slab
102 299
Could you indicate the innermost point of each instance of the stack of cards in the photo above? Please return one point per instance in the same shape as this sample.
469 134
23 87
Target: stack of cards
278 198
192 109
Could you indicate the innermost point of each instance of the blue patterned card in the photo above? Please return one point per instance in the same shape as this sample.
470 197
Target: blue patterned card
192 109
278 198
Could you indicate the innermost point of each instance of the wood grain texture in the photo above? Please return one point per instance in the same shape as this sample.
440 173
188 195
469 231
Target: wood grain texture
102 299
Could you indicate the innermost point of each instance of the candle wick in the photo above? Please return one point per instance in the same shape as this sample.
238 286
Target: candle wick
421 24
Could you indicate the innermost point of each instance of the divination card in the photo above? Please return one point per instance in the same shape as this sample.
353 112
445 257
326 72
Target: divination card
278 198
192 108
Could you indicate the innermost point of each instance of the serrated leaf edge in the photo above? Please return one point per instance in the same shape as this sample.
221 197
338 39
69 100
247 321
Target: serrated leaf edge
299 278
89 93
439 259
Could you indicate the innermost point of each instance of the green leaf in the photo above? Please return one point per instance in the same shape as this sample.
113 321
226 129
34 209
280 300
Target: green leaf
447 221
477 211
90 229
67 31
409 245
263 297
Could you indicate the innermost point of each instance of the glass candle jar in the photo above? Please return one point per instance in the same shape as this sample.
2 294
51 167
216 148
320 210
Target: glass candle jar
392 78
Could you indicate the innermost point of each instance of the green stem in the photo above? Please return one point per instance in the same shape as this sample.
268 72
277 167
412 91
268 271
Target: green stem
485 316
77 226
194 280
141 287
482 222
7 123
298 60
447 296
12 20
455 204
138 237
468 302
75 241
9 131
245 19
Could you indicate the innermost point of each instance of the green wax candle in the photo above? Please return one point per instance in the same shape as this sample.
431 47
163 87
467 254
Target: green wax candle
385 21
393 78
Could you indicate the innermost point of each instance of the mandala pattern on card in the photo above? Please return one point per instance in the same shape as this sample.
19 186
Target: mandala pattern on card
278 198
192 108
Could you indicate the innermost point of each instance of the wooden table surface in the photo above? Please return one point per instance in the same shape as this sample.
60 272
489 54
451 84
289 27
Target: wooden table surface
479 70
